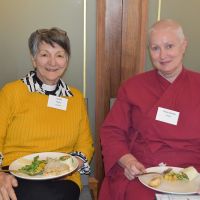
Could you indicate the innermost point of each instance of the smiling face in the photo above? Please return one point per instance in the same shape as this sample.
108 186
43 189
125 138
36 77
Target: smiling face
167 47
50 63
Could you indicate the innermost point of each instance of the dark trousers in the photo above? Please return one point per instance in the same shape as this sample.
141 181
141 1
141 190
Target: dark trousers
47 190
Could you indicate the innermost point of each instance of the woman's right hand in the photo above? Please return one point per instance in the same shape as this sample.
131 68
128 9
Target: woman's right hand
131 166
7 182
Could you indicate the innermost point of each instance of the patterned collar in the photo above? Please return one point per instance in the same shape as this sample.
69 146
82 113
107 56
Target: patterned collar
34 84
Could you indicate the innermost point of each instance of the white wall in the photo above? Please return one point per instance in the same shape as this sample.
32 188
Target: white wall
187 14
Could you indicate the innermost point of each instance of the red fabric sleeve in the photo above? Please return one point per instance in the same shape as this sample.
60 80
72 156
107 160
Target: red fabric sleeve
114 132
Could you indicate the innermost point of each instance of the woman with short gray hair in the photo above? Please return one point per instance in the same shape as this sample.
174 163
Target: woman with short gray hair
41 113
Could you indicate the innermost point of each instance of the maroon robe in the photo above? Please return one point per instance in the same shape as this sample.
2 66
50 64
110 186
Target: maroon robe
130 127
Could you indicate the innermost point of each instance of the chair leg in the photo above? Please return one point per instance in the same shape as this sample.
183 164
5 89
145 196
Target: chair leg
93 186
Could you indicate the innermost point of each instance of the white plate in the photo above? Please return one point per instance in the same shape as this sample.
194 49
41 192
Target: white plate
172 187
26 160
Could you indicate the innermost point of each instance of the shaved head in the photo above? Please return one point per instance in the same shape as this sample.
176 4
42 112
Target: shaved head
168 25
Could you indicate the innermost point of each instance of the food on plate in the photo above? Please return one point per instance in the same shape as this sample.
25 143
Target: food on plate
48 166
55 166
65 157
188 173
36 167
155 182
174 176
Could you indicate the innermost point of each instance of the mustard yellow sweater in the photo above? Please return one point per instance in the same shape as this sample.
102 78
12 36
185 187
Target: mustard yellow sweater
28 126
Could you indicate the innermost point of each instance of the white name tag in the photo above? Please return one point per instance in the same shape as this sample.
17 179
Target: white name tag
57 102
167 116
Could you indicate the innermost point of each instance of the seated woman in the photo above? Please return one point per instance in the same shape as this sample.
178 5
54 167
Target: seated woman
155 118
41 113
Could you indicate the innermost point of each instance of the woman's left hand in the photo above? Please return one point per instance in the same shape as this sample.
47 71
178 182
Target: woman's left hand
80 163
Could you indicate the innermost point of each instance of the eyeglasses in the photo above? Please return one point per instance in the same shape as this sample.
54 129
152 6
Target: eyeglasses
45 31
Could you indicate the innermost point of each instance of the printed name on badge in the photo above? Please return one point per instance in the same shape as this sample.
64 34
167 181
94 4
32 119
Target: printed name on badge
57 102
167 116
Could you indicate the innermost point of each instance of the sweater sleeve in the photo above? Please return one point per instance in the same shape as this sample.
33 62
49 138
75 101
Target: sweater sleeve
5 113
84 144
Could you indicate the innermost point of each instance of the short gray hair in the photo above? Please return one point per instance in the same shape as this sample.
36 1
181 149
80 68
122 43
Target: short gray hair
49 36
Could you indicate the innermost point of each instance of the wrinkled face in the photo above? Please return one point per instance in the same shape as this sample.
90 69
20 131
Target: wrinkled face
50 63
167 50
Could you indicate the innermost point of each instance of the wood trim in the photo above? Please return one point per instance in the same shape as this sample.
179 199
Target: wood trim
101 76
143 34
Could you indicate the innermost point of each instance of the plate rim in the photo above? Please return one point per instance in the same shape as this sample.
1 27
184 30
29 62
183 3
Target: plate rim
162 168
27 177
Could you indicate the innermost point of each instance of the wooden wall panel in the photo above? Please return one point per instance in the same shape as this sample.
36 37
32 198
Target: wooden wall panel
121 45
109 14
102 87
133 37
113 41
